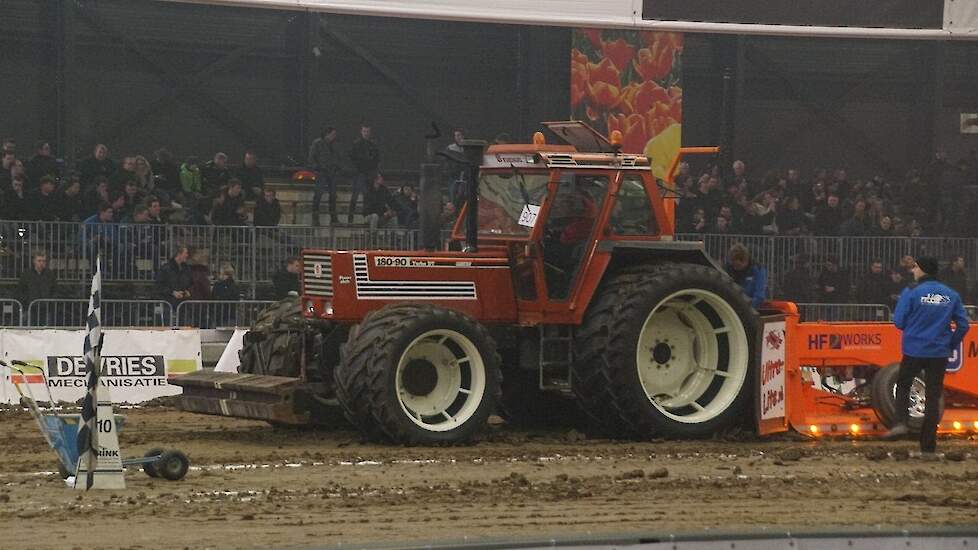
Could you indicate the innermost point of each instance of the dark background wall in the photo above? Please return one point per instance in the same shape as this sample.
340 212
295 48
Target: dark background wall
138 74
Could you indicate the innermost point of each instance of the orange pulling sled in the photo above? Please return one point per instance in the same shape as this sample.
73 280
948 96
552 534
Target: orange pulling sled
839 378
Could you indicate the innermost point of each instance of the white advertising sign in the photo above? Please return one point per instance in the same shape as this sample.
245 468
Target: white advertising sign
230 361
772 370
136 363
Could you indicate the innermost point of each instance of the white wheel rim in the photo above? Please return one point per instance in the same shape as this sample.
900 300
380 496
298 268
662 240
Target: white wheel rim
456 379
692 356
918 401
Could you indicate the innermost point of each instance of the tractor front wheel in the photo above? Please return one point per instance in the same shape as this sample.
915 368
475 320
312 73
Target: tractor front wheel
418 374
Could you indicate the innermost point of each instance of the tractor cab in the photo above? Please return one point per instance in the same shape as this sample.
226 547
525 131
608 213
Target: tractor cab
550 206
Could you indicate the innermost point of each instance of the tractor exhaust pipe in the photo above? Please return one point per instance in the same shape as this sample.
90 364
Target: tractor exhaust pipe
474 149
471 158
429 202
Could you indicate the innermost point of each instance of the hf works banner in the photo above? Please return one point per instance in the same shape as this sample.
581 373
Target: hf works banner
136 363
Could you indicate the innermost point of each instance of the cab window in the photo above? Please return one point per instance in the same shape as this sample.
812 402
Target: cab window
632 213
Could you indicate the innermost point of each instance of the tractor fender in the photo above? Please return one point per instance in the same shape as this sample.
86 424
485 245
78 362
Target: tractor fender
628 252
612 255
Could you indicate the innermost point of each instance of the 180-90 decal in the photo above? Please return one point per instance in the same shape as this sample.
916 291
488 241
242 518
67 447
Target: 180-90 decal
401 261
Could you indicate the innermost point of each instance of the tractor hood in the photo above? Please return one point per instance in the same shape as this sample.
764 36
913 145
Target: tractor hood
345 286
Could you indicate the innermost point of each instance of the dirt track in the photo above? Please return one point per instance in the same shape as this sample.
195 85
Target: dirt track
253 486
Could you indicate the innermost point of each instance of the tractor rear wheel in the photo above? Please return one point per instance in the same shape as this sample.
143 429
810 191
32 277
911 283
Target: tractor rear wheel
666 350
273 345
882 392
418 374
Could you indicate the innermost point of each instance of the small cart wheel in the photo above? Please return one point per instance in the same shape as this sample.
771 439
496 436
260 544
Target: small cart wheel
173 465
63 471
150 467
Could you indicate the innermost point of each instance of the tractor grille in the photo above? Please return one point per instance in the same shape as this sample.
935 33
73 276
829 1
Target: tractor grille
317 275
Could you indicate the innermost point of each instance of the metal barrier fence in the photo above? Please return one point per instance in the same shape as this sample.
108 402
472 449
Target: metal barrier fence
844 312
71 313
218 314
854 254
134 253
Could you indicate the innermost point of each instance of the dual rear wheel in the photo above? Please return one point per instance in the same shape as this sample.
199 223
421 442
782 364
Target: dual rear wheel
666 351
418 374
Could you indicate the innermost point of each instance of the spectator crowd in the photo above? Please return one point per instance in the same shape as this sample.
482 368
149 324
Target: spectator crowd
933 201
871 283
135 190
108 197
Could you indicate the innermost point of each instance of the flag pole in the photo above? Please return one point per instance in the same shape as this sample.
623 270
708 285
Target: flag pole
99 460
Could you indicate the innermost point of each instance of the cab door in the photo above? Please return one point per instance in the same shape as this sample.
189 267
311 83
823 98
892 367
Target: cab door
568 235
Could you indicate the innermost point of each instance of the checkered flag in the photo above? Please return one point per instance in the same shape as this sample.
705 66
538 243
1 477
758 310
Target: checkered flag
87 433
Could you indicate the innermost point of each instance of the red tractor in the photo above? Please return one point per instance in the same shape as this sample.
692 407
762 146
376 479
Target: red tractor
568 295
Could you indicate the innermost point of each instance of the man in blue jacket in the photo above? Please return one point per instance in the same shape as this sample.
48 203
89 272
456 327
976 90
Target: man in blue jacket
924 314
750 276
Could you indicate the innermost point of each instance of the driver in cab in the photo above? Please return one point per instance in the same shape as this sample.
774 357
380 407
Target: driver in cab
582 218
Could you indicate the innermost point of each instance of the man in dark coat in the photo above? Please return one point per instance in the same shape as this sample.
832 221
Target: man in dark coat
37 283
874 287
44 202
167 173
251 176
833 283
287 280
268 211
174 279
16 203
69 200
828 218
378 205
798 285
99 164
41 164
215 174
366 160
230 211
324 158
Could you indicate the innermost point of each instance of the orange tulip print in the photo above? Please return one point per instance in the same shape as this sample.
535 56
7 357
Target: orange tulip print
630 81
619 52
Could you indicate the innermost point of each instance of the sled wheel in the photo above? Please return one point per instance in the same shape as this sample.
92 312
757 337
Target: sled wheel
150 467
173 465
882 393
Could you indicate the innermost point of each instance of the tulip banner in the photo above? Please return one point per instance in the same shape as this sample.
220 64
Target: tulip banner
631 81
